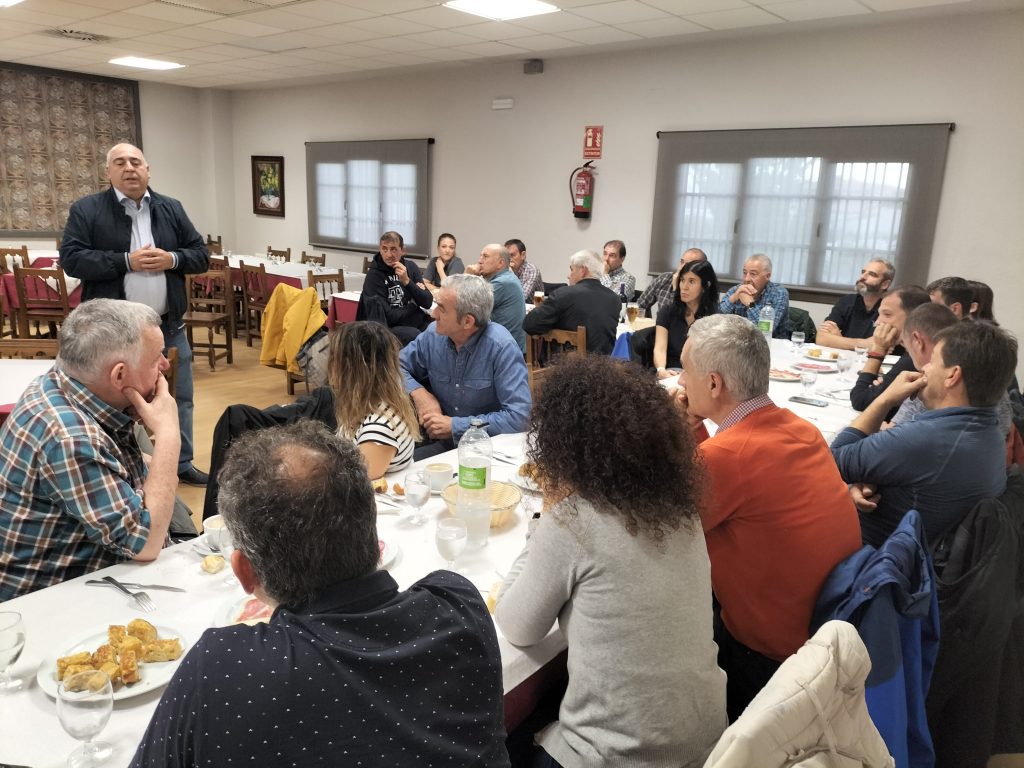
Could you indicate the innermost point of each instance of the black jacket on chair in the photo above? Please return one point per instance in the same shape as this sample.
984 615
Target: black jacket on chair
587 303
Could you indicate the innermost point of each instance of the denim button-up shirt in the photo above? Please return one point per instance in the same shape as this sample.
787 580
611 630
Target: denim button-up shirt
485 379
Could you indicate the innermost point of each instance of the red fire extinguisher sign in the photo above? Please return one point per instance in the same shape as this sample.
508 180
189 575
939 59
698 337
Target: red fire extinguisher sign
593 139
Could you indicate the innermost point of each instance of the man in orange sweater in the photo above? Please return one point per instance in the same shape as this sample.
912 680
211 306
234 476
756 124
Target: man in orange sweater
777 517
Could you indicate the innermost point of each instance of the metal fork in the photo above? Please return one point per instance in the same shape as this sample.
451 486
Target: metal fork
142 600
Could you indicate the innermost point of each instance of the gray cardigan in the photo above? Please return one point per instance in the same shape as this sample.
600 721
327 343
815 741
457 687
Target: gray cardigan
644 684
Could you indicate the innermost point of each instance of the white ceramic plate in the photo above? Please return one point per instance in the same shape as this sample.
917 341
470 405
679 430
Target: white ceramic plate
154 674
776 374
388 553
202 547
815 367
229 609
524 482
825 355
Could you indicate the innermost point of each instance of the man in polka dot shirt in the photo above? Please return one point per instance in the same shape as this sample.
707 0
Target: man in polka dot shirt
349 670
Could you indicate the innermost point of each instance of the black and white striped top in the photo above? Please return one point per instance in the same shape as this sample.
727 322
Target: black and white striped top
385 427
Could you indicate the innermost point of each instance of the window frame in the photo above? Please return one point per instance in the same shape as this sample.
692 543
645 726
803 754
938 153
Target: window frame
384 151
924 146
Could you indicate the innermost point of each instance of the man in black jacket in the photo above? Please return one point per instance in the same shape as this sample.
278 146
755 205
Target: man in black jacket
583 302
129 242
393 292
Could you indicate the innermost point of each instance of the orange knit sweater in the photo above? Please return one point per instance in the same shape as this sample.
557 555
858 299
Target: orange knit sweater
778 518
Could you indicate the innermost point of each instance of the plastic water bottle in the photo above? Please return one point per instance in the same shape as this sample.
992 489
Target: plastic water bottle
766 321
474 500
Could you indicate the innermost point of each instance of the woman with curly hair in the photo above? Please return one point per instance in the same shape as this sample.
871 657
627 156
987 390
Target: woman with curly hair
370 402
620 561
695 297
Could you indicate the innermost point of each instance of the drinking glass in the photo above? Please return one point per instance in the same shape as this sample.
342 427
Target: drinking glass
417 492
808 379
844 363
84 703
451 539
862 355
798 338
12 641
632 310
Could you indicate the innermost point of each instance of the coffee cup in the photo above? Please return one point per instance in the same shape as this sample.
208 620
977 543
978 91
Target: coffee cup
440 475
213 531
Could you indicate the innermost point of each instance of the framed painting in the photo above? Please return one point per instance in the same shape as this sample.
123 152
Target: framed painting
268 185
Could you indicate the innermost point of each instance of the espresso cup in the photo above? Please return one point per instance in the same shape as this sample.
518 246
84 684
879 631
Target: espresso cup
440 475
213 531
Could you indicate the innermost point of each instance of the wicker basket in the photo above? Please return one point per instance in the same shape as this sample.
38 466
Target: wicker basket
504 498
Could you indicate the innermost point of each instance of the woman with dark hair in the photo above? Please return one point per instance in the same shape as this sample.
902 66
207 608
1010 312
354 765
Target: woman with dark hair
446 263
370 402
982 301
696 295
619 560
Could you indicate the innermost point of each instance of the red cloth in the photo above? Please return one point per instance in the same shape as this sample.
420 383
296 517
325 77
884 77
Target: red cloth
777 519
1014 447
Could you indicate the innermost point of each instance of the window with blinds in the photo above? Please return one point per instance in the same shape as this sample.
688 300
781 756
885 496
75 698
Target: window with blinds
359 189
819 201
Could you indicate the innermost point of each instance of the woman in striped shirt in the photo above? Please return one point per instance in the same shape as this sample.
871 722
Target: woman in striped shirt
370 402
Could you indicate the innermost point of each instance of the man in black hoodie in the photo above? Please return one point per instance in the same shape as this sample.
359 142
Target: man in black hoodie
393 293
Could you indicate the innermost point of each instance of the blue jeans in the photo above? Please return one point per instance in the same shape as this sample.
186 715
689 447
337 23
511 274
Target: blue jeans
175 337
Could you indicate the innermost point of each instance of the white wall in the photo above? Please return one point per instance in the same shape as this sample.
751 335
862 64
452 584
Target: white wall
505 174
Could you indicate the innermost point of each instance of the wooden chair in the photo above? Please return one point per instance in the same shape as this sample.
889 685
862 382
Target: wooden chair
312 258
28 348
543 349
255 295
366 264
285 255
325 285
218 263
210 306
9 257
39 302
215 246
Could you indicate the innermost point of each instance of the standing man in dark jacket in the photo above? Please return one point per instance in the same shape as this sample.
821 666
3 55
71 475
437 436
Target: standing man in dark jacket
583 302
129 242
393 293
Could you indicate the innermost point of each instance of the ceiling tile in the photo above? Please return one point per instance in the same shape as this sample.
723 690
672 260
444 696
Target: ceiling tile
390 26
406 44
449 54
496 30
201 35
112 5
442 38
325 10
900 5
26 14
352 50
665 27
390 6
283 19
241 27
439 17
138 25
555 22
174 13
619 12
688 7
741 17
600 35
545 43
493 49
805 10
345 33
11 29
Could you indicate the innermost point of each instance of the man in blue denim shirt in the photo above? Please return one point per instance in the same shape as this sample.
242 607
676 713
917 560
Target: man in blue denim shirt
464 366
748 298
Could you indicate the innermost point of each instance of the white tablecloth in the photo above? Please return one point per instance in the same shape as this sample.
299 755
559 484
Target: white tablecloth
59 616
16 375
353 280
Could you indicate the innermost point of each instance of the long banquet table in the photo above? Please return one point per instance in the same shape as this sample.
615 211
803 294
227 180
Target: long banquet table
59 616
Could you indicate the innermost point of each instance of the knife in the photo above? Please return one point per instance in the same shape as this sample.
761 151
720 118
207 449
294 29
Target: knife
137 586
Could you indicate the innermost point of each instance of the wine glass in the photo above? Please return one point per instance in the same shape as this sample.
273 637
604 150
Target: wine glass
84 703
451 539
844 363
808 379
12 641
417 491
862 355
798 338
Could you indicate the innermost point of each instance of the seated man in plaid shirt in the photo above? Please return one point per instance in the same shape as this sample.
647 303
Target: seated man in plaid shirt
75 492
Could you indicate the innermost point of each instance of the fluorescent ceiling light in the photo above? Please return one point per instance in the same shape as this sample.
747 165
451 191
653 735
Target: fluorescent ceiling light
140 63
8 3
502 10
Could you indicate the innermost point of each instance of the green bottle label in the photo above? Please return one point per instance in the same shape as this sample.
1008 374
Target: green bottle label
473 478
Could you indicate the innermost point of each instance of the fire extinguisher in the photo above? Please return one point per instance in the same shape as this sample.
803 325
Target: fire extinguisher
581 190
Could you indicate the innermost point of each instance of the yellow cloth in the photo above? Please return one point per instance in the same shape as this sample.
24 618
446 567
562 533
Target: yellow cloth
292 316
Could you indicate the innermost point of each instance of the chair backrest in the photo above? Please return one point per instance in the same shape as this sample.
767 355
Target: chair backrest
29 348
215 246
541 348
19 254
312 258
285 255
366 264
218 263
254 284
326 284
209 292
171 374
41 292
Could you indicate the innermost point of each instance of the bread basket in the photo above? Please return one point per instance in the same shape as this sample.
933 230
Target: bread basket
504 498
